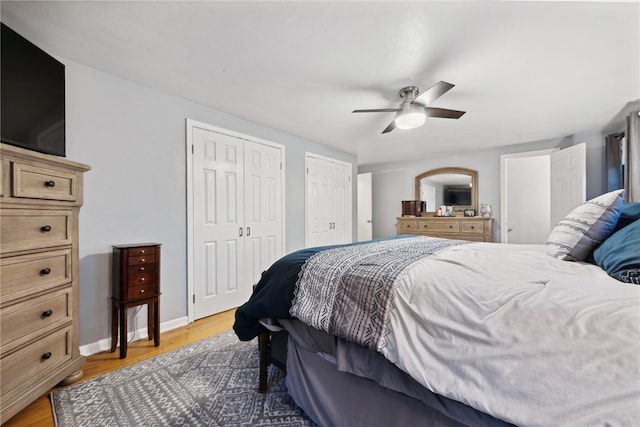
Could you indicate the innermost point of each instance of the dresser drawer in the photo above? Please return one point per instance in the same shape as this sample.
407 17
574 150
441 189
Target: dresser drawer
407 226
148 289
20 320
33 229
473 227
38 357
36 182
444 226
26 274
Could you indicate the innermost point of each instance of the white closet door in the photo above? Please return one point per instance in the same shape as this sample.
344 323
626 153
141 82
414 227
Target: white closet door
328 202
218 213
263 208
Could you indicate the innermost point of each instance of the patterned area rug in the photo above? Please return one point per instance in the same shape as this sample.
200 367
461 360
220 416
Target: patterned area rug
213 382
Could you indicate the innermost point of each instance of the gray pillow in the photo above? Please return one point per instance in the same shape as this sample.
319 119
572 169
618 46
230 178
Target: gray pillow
585 227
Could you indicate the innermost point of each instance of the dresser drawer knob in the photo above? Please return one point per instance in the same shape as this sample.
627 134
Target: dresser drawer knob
47 313
142 291
47 355
451 226
472 227
142 268
45 271
49 183
45 228
141 251
142 260
142 279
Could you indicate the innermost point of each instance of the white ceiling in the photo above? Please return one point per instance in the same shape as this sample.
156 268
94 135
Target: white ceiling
524 71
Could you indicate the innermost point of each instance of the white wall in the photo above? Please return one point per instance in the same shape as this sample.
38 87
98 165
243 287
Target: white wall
133 137
394 182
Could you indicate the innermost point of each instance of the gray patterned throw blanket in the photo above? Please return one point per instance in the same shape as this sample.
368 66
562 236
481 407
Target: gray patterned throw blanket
346 291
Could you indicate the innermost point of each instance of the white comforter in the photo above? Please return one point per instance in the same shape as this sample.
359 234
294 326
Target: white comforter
520 335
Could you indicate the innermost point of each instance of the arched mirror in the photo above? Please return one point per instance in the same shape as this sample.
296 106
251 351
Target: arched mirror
456 187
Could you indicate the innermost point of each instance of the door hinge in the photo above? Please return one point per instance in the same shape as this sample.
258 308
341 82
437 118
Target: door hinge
194 298
193 150
280 165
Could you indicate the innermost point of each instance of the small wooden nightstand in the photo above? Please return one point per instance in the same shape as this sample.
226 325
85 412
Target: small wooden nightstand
135 281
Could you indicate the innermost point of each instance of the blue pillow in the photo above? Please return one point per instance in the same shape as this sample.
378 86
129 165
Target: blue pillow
630 212
619 255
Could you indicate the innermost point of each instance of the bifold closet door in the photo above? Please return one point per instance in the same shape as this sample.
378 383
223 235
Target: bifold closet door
237 218
328 202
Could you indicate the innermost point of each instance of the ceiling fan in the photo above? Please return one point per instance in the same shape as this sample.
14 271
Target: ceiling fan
414 110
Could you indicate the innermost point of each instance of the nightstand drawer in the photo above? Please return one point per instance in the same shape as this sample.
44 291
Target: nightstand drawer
26 274
473 227
20 320
134 292
34 229
43 183
440 226
42 355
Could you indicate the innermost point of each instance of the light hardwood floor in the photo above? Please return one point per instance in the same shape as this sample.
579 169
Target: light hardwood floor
39 412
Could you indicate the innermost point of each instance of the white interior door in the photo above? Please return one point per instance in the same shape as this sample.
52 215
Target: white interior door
538 189
365 207
218 212
568 180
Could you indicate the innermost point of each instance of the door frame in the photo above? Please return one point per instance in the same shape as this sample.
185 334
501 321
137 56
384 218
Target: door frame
503 184
190 124
365 197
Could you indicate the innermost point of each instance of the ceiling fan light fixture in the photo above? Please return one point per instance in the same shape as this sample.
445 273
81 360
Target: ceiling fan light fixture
410 120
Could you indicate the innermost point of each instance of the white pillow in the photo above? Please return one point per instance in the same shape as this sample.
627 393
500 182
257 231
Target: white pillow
585 227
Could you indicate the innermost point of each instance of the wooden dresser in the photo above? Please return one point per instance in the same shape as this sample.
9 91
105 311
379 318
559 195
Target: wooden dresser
40 198
474 228
135 281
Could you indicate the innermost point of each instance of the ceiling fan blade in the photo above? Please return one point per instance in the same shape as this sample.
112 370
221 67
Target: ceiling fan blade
443 113
391 127
433 93
378 110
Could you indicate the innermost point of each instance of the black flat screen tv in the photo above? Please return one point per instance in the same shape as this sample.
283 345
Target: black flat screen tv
457 196
32 102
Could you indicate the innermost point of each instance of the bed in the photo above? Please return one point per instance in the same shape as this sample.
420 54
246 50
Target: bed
414 330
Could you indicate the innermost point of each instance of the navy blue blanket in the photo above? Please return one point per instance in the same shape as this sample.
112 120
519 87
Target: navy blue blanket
273 294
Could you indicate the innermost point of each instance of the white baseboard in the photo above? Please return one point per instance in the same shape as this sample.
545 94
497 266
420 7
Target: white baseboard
105 344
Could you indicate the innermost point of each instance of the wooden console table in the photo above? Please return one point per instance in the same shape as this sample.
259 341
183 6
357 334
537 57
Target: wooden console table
474 228
136 281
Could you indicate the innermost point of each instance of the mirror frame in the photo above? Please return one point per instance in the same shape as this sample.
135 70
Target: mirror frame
454 170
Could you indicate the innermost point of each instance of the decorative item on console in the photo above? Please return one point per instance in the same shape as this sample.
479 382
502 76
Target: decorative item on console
485 210
413 207
445 211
